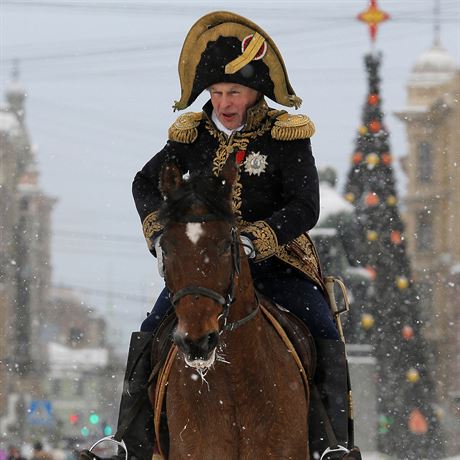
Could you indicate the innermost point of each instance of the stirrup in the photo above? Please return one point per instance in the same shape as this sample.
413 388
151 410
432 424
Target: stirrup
339 448
111 438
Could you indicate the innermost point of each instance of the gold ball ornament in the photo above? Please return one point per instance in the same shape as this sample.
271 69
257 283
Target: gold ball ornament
367 321
350 197
372 159
402 282
372 235
412 375
362 130
391 200
439 412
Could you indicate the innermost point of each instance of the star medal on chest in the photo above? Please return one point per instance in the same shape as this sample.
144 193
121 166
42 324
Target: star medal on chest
255 164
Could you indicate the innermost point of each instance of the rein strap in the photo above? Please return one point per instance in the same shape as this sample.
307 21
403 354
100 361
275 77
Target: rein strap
198 291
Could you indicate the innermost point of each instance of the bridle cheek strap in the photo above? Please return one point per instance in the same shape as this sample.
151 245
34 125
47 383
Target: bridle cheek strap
229 298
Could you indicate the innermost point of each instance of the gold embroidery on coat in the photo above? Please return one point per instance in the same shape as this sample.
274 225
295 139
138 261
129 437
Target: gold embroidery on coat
255 115
264 238
236 196
301 254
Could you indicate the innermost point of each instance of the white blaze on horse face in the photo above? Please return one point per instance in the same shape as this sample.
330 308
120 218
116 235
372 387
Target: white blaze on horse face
194 231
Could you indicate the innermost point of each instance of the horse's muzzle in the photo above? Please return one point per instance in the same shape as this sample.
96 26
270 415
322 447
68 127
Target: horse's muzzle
197 350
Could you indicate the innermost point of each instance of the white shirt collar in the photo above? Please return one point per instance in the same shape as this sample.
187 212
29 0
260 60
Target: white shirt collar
222 128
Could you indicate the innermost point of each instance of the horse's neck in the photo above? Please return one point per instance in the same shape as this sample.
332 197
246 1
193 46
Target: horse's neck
245 296
253 340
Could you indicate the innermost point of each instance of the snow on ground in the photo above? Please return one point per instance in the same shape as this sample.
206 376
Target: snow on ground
377 456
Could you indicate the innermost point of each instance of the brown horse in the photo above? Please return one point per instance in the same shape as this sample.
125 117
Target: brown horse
234 390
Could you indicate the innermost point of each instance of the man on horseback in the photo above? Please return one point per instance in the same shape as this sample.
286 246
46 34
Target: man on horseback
275 201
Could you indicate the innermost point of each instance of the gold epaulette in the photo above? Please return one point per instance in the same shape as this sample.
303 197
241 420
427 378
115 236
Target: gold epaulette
184 129
289 127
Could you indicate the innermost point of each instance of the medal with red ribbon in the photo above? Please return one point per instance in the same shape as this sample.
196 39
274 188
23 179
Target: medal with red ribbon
240 156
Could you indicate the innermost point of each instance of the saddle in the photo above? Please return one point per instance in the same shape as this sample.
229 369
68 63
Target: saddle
297 332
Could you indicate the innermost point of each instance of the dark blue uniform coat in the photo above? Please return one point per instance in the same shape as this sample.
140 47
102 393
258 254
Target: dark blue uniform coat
276 201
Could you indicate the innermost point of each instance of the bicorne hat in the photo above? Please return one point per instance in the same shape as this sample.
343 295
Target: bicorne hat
223 47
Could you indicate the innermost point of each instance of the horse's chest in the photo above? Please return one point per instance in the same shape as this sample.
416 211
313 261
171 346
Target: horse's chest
224 406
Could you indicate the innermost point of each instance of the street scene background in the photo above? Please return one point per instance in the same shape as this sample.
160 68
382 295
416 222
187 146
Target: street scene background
100 80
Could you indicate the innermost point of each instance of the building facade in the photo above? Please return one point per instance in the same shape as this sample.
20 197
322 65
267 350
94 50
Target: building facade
432 217
25 268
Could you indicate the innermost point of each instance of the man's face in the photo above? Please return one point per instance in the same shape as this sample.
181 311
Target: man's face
230 102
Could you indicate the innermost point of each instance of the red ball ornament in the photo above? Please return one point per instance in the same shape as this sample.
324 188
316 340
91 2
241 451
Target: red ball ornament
395 237
386 159
357 158
372 272
372 199
375 126
373 99
418 423
407 332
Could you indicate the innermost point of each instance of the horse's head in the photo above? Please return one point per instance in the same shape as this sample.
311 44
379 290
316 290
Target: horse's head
201 257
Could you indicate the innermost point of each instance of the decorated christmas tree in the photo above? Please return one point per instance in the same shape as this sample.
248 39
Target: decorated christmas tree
408 425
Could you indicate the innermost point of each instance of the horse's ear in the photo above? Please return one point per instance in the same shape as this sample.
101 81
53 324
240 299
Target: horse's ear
170 178
228 174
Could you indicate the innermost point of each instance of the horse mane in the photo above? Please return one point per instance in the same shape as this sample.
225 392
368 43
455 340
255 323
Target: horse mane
210 192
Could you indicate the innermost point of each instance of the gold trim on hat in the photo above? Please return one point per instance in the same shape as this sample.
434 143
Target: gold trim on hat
248 55
223 23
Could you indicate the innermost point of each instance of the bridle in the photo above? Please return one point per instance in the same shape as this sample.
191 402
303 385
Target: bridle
228 298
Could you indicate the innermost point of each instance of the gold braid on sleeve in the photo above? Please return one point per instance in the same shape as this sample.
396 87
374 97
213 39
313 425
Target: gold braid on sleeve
263 237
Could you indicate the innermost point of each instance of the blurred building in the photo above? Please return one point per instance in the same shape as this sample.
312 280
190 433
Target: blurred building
432 165
25 269
56 368
85 376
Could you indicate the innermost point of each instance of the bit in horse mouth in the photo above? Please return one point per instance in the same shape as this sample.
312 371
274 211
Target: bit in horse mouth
201 363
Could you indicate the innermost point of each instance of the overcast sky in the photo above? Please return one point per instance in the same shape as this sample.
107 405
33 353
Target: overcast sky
101 78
